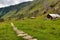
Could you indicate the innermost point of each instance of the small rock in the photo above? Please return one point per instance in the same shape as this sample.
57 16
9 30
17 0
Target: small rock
27 37
22 35
32 39
19 32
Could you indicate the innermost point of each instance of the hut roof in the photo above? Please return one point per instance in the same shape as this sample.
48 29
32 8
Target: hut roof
54 15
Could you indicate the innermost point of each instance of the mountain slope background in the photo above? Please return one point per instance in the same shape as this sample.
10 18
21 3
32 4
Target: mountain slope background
30 9
10 10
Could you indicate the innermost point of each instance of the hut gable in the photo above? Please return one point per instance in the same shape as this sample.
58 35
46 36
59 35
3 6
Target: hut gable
53 16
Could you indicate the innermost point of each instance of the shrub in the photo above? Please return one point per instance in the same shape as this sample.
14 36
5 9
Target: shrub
1 20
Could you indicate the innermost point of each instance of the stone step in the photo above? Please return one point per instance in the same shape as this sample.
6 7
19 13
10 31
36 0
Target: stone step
32 39
22 35
27 37
20 32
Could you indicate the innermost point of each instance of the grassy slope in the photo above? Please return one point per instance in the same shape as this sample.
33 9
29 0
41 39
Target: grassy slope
6 32
42 29
39 28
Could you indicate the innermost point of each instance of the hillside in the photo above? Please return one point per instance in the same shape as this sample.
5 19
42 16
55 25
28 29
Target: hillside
39 28
13 9
31 9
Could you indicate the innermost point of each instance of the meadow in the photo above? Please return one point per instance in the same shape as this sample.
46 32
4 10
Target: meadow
39 28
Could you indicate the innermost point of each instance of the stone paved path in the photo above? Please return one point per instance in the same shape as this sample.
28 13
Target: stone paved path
22 34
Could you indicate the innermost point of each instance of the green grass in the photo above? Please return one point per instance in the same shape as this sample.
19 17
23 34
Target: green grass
6 32
39 28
